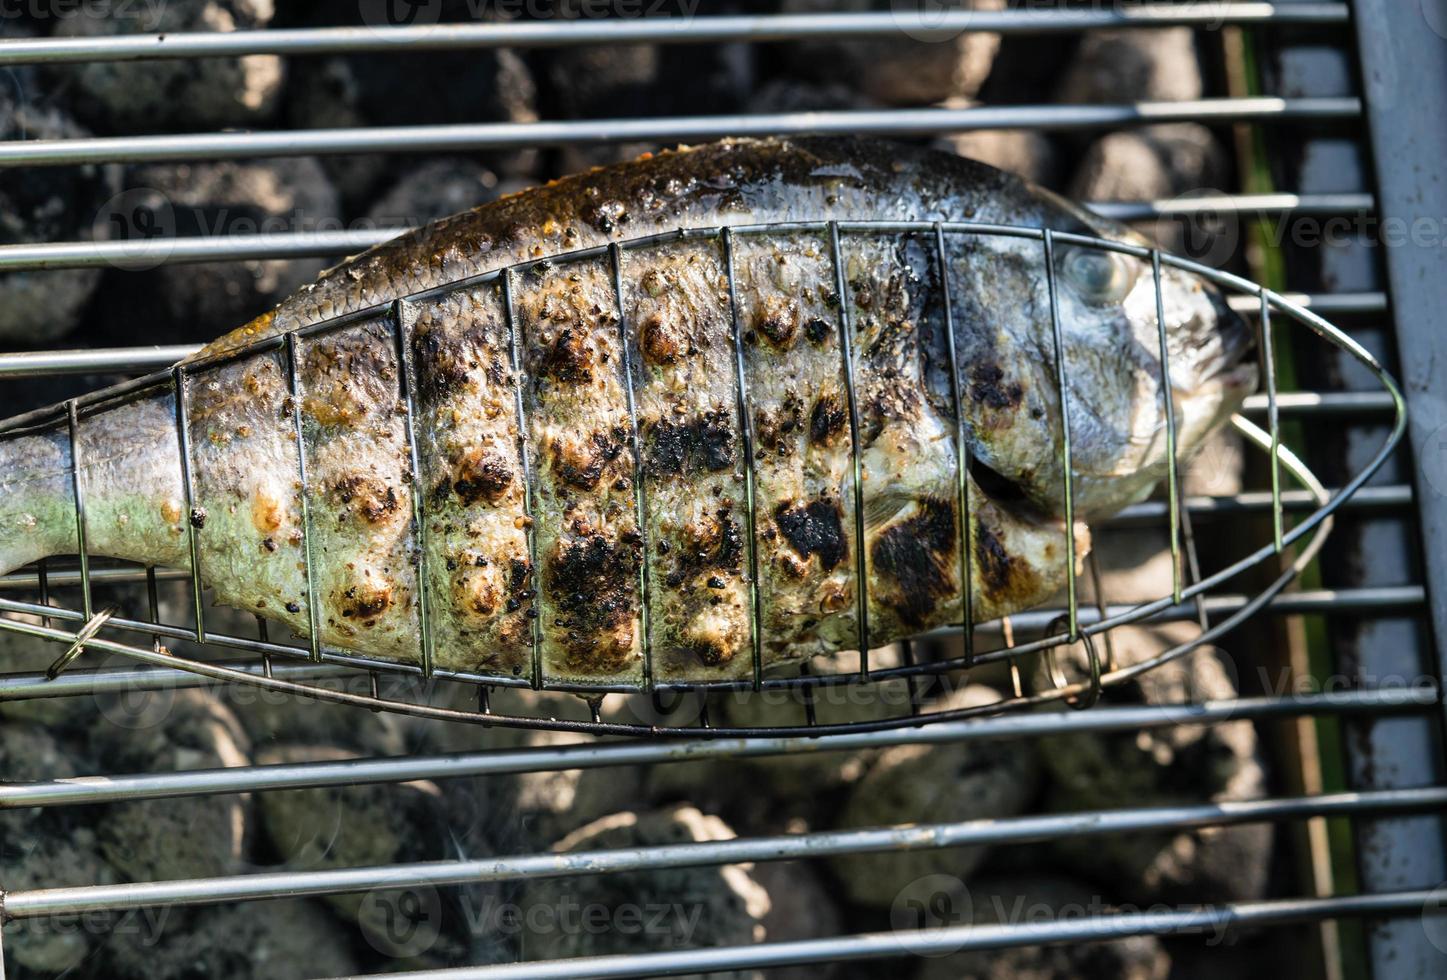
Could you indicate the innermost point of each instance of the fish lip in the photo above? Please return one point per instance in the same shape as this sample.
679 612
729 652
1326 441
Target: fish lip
1011 495
1237 341
1244 375
1000 488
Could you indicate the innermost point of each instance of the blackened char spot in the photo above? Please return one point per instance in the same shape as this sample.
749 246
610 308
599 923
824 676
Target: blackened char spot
443 365
814 529
581 464
826 420
702 443
986 387
519 570
365 602
591 584
568 358
373 499
772 429
715 542
778 322
993 560
660 344
519 575
916 554
481 476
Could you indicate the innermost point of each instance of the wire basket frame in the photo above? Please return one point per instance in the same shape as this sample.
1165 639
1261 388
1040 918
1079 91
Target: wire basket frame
86 628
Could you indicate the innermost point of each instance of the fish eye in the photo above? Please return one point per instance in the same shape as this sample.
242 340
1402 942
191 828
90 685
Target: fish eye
1099 277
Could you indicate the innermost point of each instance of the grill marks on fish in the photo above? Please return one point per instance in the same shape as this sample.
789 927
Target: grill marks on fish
676 305
237 413
359 483
588 539
916 560
789 304
907 456
478 562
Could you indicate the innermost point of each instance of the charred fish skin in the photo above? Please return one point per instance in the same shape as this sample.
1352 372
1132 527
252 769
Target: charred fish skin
477 558
677 310
581 469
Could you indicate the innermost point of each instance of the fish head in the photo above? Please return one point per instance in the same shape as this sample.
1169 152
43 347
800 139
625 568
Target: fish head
1114 379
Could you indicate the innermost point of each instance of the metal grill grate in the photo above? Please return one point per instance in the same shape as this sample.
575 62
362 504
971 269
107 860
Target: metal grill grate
1312 509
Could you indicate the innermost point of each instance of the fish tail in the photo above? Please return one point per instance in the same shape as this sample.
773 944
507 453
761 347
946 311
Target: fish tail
128 478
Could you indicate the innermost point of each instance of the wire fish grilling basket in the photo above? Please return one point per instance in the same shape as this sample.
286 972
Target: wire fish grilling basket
1294 540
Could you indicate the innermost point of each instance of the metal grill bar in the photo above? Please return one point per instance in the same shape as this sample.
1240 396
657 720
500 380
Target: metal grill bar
313 610
498 136
1241 205
87 790
962 448
1323 303
530 499
984 832
327 244
1251 502
751 469
856 469
95 680
406 383
180 392
1363 600
77 491
663 30
1213 919
1067 465
640 498
1168 408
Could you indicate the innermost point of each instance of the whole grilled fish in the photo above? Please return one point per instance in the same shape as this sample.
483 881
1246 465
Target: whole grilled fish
583 475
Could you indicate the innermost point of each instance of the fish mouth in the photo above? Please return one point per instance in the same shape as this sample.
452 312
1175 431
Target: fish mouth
1233 364
1010 495
996 485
